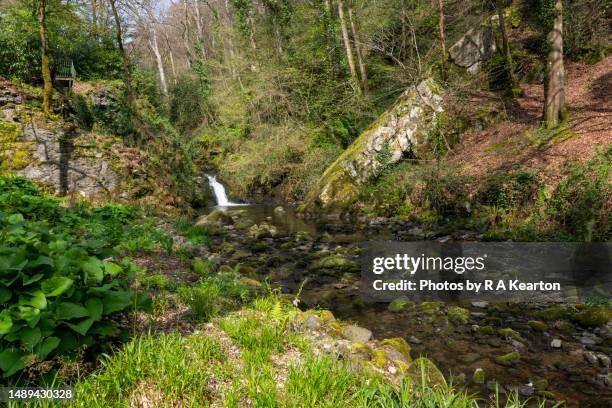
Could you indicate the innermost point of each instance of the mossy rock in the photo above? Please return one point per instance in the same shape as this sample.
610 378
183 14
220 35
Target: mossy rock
537 325
424 373
479 376
215 218
508 359
9 132
361 349
458 315
245 270
326 316
225 269
486 330
14 154
337 262
510 333
399 344
566 327
430 308
556 312
595 316
250 282
399 305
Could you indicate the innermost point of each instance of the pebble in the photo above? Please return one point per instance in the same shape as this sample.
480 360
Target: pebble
556 343
604 360
590 357
414 340
480 304
526 390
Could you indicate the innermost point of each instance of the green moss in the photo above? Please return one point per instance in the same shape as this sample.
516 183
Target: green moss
508 359
430 308
14 154
458 315
537 325
398 344
510 333
399 305
556 313
423 372
9 132
486 330
479 376
593 316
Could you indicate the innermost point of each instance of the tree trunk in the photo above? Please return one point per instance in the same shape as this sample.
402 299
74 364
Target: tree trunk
442 37
347 46
554 105
360 61
172 66
46 71
158 58
94 13
506 46
126 60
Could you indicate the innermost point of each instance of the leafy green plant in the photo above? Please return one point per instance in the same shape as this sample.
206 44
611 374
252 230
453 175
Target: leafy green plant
57 295
581 202
506 190
203 299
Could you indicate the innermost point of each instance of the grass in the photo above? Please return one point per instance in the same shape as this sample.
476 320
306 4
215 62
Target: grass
166 369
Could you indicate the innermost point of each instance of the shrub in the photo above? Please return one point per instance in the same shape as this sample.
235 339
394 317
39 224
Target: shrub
447 195
581 203
203 299
57 295
507 190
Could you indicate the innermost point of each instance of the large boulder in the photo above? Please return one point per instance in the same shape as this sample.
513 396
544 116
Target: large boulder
474 48
396 132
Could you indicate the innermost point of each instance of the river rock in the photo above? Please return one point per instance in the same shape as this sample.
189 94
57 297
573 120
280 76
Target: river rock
508 359
458 315
215 218
556 343
424 372
479 376
480 304
356 333
279 210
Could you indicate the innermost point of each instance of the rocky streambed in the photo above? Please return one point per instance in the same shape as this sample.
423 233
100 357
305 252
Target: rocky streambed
560 352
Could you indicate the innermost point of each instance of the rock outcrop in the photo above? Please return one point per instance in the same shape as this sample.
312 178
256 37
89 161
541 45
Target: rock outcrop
396 132
474 48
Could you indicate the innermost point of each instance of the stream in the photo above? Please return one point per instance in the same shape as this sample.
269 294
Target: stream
272 243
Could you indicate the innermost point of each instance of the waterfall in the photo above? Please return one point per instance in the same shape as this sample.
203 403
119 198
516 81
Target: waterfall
219 191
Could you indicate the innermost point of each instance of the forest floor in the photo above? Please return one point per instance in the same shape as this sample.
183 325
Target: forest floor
518 142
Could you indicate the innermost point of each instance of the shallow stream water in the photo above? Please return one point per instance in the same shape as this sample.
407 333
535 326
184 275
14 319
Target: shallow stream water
575 373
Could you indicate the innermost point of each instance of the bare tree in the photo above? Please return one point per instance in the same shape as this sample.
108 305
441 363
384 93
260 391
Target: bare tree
347 46
554 104
358 44
441 25
44 46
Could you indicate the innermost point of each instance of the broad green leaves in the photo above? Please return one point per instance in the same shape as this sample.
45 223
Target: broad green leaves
57 292
56 285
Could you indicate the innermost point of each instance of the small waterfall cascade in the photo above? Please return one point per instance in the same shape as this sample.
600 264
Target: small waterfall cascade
219 191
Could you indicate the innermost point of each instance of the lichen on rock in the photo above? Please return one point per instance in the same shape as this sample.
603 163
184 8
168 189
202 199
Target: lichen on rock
396 132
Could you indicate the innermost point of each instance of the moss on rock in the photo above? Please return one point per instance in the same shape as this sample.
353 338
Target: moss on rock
595 316
398 344
458 315
509 358
423 372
